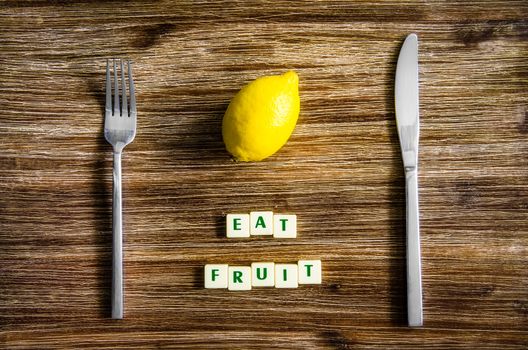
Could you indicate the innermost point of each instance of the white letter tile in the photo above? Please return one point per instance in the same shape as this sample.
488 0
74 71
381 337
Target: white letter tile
286 276
239 278
261 223
310 272
215 276
284 226
263 274
237 225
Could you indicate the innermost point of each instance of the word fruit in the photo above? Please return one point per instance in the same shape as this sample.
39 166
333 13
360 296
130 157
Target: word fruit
262 274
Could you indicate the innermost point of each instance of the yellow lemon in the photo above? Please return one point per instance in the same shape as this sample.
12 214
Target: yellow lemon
261 117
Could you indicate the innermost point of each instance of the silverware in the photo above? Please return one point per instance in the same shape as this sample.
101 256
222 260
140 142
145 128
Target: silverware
119 131
407 120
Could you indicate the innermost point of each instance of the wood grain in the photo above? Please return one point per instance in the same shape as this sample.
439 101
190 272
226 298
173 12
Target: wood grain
340 173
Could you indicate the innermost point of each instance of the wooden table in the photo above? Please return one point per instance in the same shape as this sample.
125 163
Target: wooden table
340 173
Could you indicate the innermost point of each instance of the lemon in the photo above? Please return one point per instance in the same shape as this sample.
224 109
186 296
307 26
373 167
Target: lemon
261 117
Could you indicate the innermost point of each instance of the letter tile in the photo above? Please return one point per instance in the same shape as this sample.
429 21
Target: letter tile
284 226
286 276
261 223
263 274
237 225
215 276
239 278
310 271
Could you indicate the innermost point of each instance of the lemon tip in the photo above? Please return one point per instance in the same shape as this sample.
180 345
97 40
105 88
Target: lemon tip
291 76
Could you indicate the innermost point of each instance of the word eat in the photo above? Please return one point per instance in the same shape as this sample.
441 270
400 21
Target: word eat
261 223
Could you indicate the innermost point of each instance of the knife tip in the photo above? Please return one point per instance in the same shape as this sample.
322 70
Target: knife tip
412 37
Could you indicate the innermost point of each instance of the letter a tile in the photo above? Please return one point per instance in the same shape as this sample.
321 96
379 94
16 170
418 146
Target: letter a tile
261 223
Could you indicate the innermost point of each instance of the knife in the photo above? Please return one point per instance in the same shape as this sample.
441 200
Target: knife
408 123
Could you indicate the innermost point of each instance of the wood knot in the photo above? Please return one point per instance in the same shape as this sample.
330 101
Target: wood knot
521 307
467 194
334 287
149 35
336 340
472 35
523 124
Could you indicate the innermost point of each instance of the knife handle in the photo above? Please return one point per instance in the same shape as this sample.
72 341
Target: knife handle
414 273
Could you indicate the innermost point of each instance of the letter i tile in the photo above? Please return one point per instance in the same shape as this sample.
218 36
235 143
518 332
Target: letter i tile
286 276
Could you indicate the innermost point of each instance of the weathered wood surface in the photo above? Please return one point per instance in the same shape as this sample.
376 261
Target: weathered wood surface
340 173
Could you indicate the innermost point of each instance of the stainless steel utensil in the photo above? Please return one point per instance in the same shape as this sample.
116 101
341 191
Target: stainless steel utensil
407 119
119 131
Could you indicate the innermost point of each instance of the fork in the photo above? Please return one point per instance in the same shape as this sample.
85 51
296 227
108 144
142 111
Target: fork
119 131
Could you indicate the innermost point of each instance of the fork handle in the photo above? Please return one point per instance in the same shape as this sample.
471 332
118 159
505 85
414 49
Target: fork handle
414 273
117 246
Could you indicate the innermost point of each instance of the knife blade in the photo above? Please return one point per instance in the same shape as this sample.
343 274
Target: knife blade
408 124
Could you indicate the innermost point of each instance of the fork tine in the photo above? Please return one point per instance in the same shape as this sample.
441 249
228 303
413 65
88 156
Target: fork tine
108 106
116 92
124 107
133 111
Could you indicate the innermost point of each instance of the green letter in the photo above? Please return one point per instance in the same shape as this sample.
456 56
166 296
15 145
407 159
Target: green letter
260 221
283 221
285 275
308 272
236 224
215 274
265 273
237 277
